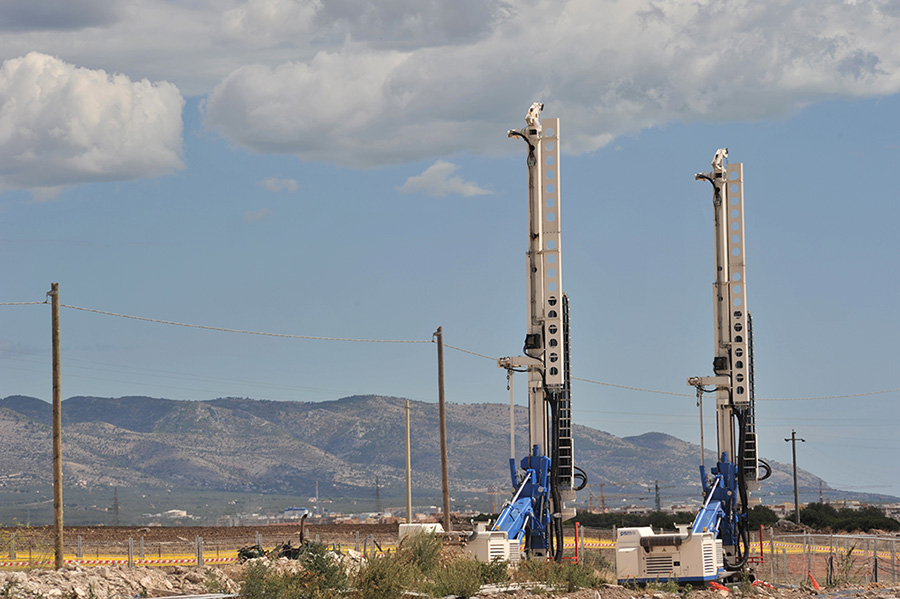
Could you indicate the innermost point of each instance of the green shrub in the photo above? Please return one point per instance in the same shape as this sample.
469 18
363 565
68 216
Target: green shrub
568 576
260 581
494 572
385 577
460 577
324 569
320 576
423 551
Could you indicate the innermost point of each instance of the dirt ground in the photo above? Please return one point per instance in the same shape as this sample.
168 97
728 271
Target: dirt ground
120 581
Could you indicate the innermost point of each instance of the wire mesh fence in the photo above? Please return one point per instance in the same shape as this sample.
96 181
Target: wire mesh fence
803 559
828 559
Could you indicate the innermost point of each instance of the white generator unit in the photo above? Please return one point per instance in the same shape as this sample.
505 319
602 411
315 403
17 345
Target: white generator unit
643 556
489 545
431 528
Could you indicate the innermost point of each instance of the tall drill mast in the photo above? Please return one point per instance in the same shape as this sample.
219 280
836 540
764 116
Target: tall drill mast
717 543
546 346
733 380
738 460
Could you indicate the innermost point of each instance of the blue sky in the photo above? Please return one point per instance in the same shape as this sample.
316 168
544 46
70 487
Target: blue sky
321 169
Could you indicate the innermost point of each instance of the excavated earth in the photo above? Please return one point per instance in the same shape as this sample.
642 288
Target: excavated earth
124 583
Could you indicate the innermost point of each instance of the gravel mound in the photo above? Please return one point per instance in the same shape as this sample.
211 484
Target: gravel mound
114 582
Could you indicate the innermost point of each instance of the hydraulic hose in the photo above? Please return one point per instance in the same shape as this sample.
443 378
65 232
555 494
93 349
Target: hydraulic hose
555 533
740 522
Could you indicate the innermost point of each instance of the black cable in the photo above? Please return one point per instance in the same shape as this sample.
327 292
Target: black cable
582 476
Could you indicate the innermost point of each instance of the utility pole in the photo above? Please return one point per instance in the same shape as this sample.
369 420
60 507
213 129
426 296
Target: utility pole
793 441
656 486
445 482
57 430
409 514
377 496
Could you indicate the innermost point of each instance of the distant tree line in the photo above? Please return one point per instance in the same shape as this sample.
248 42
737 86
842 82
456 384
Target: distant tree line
820 516
823 516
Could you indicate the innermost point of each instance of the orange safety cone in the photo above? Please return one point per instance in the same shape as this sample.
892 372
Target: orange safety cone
812 579
761 583
719 587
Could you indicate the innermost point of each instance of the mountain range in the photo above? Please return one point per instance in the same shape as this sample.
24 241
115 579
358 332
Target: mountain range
254 446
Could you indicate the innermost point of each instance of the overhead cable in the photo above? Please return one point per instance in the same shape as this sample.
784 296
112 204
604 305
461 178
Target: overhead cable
241 331
420 341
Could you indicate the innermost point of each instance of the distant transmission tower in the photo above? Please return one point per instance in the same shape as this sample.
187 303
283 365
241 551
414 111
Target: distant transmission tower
116 505
377 496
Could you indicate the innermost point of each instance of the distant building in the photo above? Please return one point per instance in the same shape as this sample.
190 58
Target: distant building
295 513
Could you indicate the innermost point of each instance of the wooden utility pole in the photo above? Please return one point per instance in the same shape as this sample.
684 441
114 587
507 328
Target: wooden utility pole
793 441
445 482
57 430
409 514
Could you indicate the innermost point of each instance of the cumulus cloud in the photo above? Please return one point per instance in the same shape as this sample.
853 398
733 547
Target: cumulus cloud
371 82
275 185
405 24
438 180
60 124
252 216
606 67
266 22
60 15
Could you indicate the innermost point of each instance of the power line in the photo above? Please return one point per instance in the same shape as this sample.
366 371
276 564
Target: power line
418 341
241 331
633 388
22 303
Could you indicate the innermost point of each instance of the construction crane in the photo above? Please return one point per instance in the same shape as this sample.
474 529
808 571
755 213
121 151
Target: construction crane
545 481
717 544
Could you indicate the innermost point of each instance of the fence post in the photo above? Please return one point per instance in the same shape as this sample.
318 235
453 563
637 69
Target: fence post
130 552
865 557
893 561
581 544
199 549
772 553
807 548
12 545
79 553
259 539
356 532
141 554
784 560
875 561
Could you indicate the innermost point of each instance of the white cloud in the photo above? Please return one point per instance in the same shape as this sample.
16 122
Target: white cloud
275 185
605 67
252 216
60 124
264 22
373 82
65 15
437 180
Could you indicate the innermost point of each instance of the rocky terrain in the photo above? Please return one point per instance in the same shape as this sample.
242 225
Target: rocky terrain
126 583
120 582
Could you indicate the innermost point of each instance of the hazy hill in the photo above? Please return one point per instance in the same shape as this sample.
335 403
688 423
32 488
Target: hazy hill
242 445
